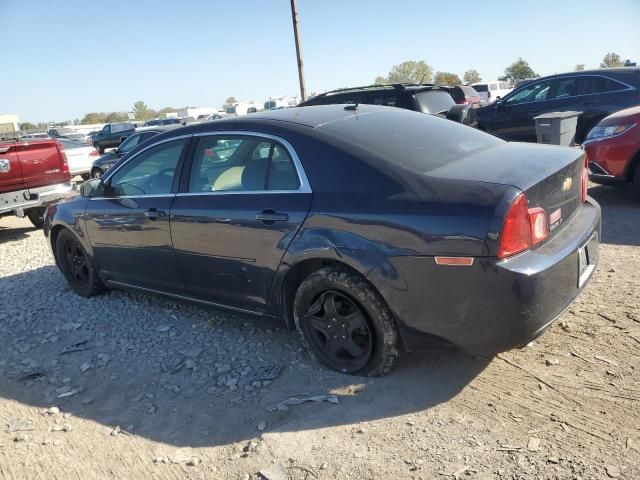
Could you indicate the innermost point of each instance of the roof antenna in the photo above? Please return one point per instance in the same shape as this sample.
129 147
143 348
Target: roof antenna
352 106
421 78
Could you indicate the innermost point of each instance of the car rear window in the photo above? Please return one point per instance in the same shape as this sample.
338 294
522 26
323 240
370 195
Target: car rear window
469 91
415 141
435 101
480 88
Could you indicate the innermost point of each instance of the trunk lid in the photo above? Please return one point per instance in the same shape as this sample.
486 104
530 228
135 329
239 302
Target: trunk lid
550 176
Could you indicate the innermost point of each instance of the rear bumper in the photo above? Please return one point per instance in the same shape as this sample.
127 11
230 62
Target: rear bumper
18 201
491 306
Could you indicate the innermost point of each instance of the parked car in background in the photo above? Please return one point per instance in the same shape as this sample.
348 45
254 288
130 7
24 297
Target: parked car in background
492 91
79 156
350 222
613 150
420 98
33 174
79 137
156 122
35 136
217 116
595 93
112 135
106 161
242 108
59 132
463 94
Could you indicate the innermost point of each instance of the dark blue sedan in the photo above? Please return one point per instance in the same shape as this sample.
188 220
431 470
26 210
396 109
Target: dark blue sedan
369 229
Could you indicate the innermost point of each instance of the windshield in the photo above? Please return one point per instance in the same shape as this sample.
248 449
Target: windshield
435 101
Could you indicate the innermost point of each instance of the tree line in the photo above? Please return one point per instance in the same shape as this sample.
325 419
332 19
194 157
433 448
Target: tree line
421 72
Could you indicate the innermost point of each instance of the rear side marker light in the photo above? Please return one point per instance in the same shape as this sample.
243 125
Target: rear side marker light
455 261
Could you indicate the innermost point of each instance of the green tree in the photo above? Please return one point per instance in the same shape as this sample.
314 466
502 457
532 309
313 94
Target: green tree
579 67
446 78
471 76
408 72
163 111
141 111
27 126
94 117
380 80
115 117
519 70
611 60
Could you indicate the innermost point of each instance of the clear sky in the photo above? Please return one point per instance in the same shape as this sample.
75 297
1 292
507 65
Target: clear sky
64 58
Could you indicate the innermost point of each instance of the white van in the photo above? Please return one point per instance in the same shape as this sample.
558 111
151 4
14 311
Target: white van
492 90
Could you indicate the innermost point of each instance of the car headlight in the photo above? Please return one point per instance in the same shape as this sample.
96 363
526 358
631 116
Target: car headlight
598 131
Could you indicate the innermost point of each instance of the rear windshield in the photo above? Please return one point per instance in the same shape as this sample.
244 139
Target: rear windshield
480 88
469 91
416 141
435 101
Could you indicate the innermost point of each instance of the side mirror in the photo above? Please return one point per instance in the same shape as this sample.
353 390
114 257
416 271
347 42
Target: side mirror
499 105
92 188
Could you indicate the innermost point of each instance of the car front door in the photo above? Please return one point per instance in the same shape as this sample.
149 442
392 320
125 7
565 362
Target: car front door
513 116
128 227
245 199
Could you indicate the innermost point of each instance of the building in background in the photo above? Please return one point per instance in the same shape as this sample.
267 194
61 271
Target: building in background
9 124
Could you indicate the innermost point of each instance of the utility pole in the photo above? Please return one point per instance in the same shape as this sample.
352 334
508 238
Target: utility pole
294 17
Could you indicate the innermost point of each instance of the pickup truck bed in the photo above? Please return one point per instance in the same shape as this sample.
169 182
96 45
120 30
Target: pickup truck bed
33 174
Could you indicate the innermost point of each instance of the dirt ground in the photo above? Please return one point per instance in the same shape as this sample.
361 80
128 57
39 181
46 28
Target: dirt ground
143 387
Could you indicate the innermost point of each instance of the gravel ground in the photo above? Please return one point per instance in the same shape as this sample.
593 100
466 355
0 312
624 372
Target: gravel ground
136 386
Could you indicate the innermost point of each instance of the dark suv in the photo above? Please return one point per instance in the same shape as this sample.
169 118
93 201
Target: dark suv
424 98
595 93
112 135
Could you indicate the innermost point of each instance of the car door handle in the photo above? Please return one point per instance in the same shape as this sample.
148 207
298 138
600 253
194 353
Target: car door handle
152 214
269 216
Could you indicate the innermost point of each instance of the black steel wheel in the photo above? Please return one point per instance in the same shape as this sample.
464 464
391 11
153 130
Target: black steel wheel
338 331
76 265
344 322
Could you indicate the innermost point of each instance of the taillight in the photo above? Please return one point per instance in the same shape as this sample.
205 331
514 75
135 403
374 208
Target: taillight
523 228
585 179
65 161
538 222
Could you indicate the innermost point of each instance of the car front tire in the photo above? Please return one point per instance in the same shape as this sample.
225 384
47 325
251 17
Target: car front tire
345 324
36 216
75 265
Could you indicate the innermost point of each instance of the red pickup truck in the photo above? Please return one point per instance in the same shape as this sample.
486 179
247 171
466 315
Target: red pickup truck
33 174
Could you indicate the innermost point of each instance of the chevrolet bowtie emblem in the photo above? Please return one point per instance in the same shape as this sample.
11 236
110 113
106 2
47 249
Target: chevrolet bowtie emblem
566 185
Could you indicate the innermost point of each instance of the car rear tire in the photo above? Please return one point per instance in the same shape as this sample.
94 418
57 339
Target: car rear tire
345 324
76 266
99 148
36 216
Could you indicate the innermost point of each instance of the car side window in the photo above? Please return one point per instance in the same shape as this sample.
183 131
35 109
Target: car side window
223 164
607 85
567 87
148 173
532 92
129 144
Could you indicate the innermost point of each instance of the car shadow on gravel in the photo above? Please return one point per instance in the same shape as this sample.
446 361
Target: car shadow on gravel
181 374
8 234
620 213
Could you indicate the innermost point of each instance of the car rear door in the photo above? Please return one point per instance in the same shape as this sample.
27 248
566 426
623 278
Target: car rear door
245 199
128 227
